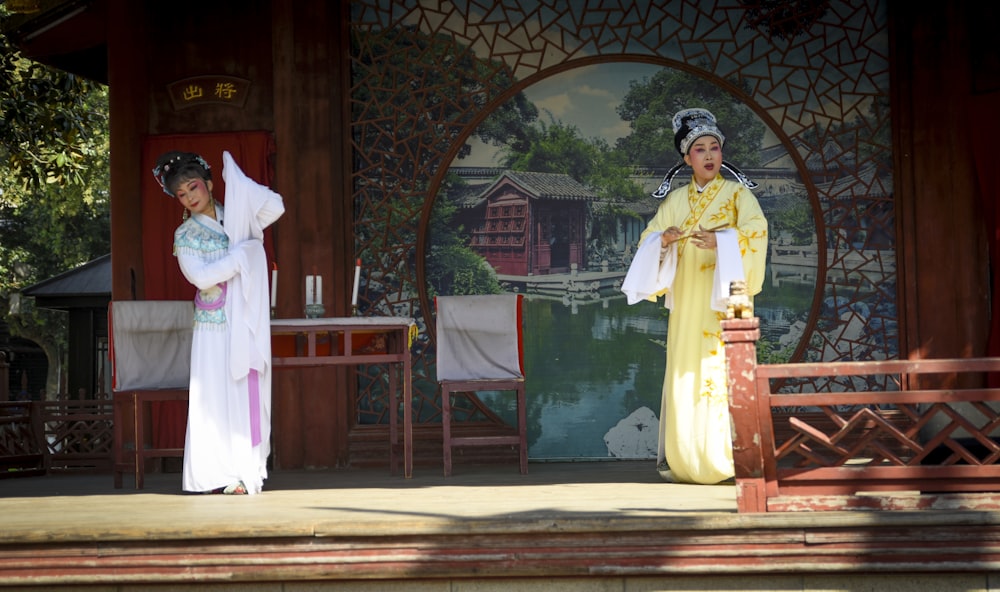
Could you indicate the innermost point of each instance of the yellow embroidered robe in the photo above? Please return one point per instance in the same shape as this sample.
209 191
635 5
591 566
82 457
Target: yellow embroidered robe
695 434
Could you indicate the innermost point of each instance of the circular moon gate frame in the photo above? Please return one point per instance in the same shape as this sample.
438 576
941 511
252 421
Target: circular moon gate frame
425 77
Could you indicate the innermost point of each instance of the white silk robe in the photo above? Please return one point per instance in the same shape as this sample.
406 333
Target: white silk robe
695 436
228 430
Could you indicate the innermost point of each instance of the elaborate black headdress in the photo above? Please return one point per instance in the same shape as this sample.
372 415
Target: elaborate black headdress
689 125
180 165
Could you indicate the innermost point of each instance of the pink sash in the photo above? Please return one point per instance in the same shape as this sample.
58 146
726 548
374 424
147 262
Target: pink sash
253 380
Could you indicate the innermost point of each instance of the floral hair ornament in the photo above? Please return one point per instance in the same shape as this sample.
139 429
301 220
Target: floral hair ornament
174 163
689 125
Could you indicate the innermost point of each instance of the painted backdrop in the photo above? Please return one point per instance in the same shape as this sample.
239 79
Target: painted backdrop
463 114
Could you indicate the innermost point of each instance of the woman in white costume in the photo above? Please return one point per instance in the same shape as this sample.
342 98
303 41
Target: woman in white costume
711 231
228 431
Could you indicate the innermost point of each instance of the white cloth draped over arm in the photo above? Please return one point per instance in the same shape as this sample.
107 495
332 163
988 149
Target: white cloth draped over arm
728 267
205 275
250 208
648 275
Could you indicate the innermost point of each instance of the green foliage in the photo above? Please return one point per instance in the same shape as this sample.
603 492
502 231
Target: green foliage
455 270
54 177
48 120
794 219
54 169
452 268
649 107
412 95
769 352
554 148
409 86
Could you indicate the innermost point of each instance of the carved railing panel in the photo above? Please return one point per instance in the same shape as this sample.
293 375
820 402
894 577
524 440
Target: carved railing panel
78 434
862 448
40 436
21 451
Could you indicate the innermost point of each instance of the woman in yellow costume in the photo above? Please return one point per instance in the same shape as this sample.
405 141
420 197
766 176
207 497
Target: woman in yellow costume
710 232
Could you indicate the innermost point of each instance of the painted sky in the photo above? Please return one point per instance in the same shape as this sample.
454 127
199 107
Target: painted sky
585 97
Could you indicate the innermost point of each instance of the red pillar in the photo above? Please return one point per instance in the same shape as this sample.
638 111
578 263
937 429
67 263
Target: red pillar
740 337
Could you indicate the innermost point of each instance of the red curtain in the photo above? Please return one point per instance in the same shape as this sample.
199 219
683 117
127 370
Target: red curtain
161 214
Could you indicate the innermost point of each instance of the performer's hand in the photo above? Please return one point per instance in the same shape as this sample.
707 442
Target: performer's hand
704 239
669 236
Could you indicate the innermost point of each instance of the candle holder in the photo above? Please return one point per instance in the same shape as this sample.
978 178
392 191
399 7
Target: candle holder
315 311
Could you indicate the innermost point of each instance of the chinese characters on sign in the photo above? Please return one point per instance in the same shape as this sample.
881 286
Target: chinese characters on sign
200 90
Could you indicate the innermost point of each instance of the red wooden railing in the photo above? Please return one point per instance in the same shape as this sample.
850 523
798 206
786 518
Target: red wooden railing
39 437
931 444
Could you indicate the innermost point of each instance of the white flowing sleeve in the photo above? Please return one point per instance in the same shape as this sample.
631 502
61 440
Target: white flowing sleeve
649 275
250 207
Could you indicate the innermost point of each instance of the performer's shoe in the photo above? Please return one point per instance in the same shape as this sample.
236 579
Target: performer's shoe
664 470
235 489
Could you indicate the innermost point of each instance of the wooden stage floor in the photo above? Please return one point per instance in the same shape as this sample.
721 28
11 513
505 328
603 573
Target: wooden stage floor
613 519
363 500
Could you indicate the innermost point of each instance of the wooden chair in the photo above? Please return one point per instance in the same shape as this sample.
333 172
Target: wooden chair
480 348
150 350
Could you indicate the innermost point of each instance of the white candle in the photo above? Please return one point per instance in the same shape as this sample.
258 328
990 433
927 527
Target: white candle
357 280
274 285
319 289
310 290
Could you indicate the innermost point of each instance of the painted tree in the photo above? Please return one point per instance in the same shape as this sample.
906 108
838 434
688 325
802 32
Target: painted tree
412 97
649 108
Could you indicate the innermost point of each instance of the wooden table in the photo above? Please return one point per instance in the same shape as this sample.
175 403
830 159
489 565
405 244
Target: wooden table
350 341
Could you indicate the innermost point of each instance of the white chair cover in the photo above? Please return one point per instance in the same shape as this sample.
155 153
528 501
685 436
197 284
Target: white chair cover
151 344
478 337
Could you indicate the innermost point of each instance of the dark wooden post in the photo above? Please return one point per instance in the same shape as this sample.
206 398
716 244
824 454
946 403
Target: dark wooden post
740 337
36 413
4 377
